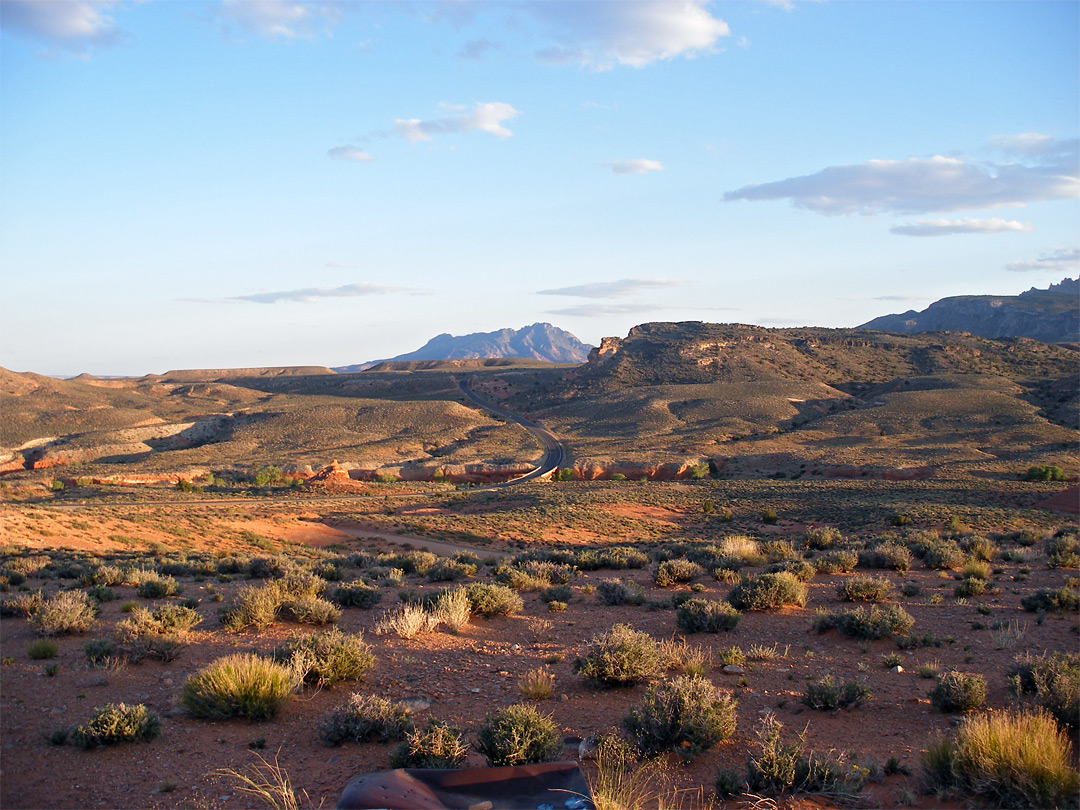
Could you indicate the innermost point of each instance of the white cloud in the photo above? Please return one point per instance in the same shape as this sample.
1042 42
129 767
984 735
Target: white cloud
927 185
309 294
904 298
349 153
485 117
601 34
1062 261
1028 143
284 18
612 289
70 25
945 227
637 166
596 310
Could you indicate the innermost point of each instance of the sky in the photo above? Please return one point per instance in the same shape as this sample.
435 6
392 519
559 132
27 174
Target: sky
236 183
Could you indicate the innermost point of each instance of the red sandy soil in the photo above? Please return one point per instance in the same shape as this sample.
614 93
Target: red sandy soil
1067 501
659 514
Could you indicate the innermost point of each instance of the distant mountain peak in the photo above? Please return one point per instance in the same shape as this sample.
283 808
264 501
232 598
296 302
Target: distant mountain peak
540 341
1051 315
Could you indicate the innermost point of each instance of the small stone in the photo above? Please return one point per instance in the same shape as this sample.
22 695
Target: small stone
475 691
587 747
732 669
898 668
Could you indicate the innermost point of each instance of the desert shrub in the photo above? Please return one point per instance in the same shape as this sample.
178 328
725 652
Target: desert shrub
493 600
23 604
519 735
162 620
769 515
619 656
407 621
99 651
888 555
41 649
157 587
450 571
773 766
971 586
452 609
959 692
775 551
537 684
827 694
938 553
28 567
1061 600
975 569
265 567
768 592
706 616
242 685
868 623
64 613
800 569
437 746
780 767
1046 472
979 548
414 562
741 548
864 589
687 714
365 718
329 657
617 592
1054 679
557 593
619 557
107 575
518 579
117 723
255 606
1005 759
822 537
356 594
1063 551
551 571
308 609
836 562
671 572
101 594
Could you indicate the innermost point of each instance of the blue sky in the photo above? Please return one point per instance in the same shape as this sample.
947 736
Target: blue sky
266 182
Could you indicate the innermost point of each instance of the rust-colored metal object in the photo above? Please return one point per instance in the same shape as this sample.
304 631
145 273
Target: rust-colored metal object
546 786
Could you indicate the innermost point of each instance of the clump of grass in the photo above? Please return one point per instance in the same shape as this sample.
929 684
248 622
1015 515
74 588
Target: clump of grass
686 658
672 572
329 657
239 685
1059 600
827 694
620 656
822 537
889 555
687 714
891 660
519 735
453 609
622 782
65 613
493 600
1005 759
759 652
868 623
959 692
1054 680
864 589
22 604
741 549
357 594
42 649
836 562
268 782
407 621
537 684
778 766
439 745
1063 551
365 718
617 592
117 723
706 616
155 586
929 669
768 592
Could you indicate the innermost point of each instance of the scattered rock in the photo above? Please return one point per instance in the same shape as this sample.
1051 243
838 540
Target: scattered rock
898 668
732 669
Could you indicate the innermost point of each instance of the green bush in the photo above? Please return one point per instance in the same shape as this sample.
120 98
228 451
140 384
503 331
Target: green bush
64 613
1063 551
779 767
868 623
239 685
959 692
768 592
864 589
519 735
415 562
619 557
617 592
308 609
357 594
672 572
800 569
836 562
117 723
827 694
1054 679
556 593
1044 473
99 651
450 571
768 515
1060 600
41 649
687 715
706 616
365 718
437 746
329 657
822 537
971 586
1005 759
157 587
493 600
938 553
619 657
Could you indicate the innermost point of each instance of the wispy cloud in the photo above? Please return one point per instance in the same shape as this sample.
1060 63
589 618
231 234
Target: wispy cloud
287 19
349 153
636 166
596 310
309 294
74 26
901 298
928 185
485 117
477 49
945 227
1063 260
603 34
612 289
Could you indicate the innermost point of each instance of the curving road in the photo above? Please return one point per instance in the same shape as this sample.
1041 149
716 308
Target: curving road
553 450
